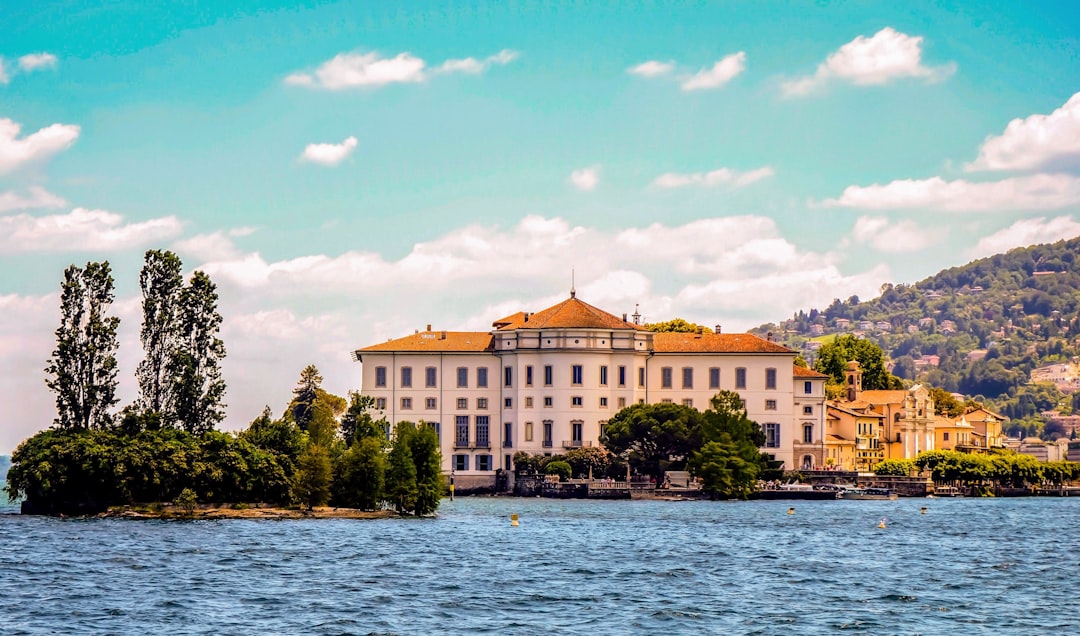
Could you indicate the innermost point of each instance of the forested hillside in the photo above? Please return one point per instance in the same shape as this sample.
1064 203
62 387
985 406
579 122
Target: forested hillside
978 329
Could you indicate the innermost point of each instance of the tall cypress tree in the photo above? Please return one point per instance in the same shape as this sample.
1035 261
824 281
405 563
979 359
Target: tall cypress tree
195 366
83 365
161 283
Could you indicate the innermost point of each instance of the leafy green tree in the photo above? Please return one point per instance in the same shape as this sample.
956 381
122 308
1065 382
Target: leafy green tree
357 423
728 458
161 283
652 434
307 393
594 459
82 368
560 468
198 387
281 437
424 448
401 470
314 477
361 475
834 356
677 325
901 467
945 403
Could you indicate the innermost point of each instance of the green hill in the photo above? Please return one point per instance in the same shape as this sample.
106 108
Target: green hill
978 329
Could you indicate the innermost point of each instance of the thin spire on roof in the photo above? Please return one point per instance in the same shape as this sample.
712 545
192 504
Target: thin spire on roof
573 292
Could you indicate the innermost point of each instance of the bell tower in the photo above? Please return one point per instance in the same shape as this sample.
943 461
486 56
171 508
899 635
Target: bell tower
853 380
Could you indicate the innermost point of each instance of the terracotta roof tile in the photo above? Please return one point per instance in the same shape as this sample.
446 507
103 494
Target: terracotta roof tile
478 341
714 343
571 313
803 372
884 396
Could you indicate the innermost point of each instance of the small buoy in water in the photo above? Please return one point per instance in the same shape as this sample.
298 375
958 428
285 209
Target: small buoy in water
923 510
881 524
514 521
791 511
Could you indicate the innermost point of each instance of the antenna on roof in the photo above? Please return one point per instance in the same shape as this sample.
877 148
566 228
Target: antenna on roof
573 292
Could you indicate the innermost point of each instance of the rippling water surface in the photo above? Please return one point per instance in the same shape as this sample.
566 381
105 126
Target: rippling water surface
968 566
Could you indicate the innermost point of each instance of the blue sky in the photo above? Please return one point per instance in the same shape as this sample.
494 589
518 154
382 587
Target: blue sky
351 171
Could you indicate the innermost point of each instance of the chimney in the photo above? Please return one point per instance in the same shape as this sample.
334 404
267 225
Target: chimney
769 336
442 336
429 326
624 316
527 314
717 330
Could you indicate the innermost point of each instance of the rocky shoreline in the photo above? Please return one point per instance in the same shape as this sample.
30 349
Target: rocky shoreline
241 512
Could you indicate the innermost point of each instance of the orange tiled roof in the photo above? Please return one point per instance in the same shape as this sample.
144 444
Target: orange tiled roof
571 313
477 341
884 396
850 409
714 343
803 372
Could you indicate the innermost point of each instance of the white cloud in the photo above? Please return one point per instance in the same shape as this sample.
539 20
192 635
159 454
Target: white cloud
721 73
36 61
721 176
474 66
888 236
877 60
1040 141
1026 232
215 246
586 179
37 197
15 152
4 77
349 70
652 68
329 154
81 230
1035 192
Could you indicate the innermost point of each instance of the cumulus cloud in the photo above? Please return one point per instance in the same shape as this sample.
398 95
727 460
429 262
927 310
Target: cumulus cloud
586 179
350 70
81 230
1035 192
50 140
721 73
652 68
1026 232
1037 142
894 237
886 56
36 197
711 179
214 246
329 154
36 61
535 256
474 66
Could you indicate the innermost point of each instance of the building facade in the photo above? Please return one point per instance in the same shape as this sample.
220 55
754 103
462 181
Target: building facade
548 381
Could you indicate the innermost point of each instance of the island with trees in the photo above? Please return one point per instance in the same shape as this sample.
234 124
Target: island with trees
163 453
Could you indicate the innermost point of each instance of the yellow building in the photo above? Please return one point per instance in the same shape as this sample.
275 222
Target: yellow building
987 430
853 437
953 434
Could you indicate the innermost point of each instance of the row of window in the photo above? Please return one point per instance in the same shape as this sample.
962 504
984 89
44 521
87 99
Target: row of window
576 401
577 373
483 462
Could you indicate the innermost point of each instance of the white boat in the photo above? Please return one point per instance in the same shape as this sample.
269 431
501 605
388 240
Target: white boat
867 493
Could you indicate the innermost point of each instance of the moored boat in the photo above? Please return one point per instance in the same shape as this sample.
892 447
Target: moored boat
867 493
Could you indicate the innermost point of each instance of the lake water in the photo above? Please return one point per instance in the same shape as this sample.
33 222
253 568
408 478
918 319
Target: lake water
969 566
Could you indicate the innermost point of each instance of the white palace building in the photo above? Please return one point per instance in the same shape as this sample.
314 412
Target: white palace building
548 381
